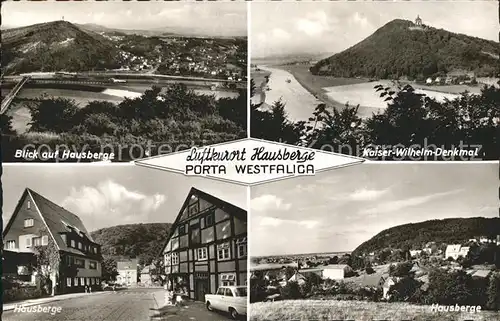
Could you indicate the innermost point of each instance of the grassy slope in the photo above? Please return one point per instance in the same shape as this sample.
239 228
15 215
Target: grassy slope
356 310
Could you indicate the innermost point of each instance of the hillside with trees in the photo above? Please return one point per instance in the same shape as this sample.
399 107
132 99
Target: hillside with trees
416 235
410 119
142 241
394 51
53 46
160 121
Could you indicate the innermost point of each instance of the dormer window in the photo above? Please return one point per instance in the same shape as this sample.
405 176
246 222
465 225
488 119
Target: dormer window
29 222
73 244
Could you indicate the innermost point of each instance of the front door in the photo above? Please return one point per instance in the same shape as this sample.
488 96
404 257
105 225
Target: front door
201 286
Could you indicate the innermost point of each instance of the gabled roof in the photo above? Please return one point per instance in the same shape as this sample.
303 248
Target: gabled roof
127 265
57 219
453 247
231 208
336 266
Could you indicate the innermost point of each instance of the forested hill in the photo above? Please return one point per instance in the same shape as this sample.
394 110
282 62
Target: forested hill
395 50
414 236
57 45
143 241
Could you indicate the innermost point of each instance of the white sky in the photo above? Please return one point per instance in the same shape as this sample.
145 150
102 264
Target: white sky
337 210
214 18
109 195
287 28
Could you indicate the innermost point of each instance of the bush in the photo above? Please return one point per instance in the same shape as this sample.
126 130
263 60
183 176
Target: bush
291 291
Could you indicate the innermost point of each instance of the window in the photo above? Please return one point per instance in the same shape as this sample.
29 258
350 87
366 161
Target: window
29 205
193 209
241 247
228 292
75 283
80 263
37 241
220 291
68 282
29 222
182 229
29 242
45 240
223 251
11 245
93 265
228 279
202 254
175 258
209 219
82 281
73 243
80 245
168 260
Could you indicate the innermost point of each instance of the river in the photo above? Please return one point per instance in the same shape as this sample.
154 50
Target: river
299 103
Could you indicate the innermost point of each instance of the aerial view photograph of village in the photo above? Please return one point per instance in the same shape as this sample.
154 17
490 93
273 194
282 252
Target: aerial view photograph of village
345 76
122 74
121 242
378 241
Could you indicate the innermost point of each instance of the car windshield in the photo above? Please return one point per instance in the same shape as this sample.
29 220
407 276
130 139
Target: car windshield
240 291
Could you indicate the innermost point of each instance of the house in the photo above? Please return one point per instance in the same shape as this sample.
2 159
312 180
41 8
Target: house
145 276
308 271
482 273
336 271
297 277
207 246
415 253
455 251
127 272
390 281
375 280
37 221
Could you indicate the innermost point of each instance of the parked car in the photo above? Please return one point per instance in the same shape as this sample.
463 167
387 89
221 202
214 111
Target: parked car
232 299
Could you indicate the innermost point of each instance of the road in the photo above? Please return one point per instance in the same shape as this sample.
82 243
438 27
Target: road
126 305
300 103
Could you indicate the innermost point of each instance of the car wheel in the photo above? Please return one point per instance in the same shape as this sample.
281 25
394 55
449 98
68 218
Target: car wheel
234 314
209 306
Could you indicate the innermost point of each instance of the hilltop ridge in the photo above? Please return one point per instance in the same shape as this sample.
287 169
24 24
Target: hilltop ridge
56 45
397 50
415 235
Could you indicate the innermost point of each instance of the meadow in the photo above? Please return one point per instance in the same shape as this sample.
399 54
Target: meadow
357 310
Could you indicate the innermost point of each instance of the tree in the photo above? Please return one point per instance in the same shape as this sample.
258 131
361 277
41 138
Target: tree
401 269
53 115
404 289
494 293
109 272
48 262
291 291
6 125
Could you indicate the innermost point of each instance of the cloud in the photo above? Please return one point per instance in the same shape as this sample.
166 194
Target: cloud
315 24
274 222
111 203
367 194
397 205
269 202
359 20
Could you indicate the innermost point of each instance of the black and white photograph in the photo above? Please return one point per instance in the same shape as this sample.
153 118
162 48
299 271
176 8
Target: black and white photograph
348 76
122 80
378 241
121 242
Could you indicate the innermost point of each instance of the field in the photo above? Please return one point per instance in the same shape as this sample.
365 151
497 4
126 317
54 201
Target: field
357 310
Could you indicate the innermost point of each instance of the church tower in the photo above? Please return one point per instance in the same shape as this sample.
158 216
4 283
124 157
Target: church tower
418 22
